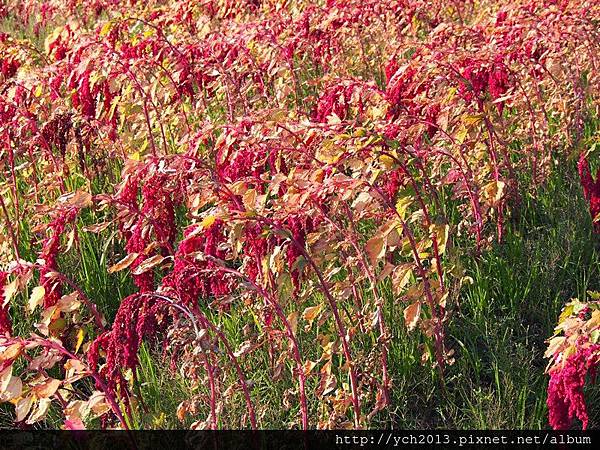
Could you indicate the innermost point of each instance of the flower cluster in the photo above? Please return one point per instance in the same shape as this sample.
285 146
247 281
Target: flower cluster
591 189
481 78
9 67
49 255
138 316
153 221
196 273
574 357
565 391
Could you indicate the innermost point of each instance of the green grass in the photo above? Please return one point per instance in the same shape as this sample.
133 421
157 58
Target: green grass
501 320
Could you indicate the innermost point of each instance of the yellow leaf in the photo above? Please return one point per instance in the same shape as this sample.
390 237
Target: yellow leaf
208 221
401 277
249 199
10 291
11 352
105 29
494 190
310 315
465 280
441 235
57 326
378 111
80 336
402 205
51 38
594 322
568 352
451 94
329 152
553 345
471 120
461 134
387 161
37 295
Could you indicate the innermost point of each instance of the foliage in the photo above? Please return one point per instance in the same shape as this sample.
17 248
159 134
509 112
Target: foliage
291 160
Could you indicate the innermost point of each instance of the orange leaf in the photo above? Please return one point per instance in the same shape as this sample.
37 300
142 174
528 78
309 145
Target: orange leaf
375 248
47 388
124 263
411 315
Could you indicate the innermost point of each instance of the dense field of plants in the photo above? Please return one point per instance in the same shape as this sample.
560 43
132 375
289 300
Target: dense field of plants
299 214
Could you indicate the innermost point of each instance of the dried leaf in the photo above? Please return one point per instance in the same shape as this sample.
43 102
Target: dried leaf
23 407
75 370
308 367
76 410
293 321
13 389
124 263
79 199
36 298
9 291
99 227
5 377
310 315
68 303
97 404
148 264
244 348
70 240
47 388
11 352
39 411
